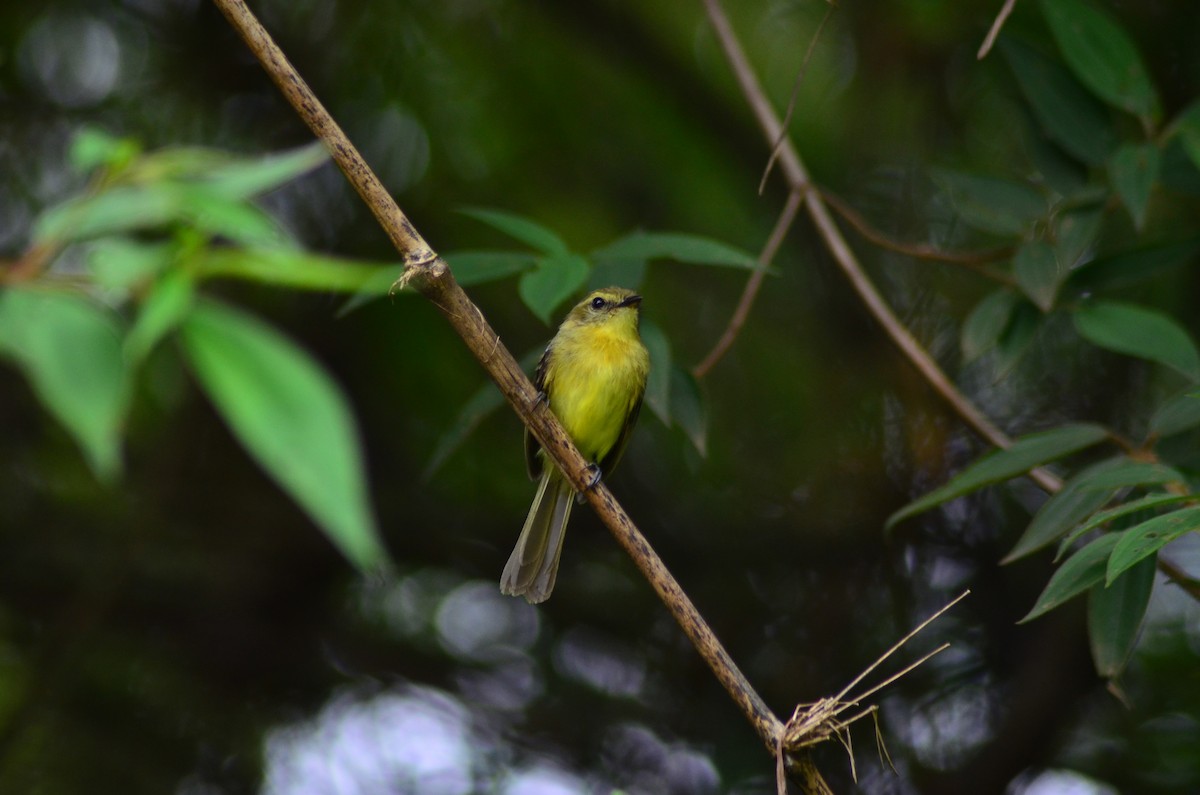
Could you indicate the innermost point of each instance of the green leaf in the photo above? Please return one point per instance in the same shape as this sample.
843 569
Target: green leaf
1187 126
619 272
1073 503
658 384
999 206
121 263
1075 233
93 148
244 178
1150 536
520 228
121 209
1147 503
165 307
555 279
982 329
1115 615
1070 116
1119 271
292 418
1078 573
70 350
1127 474
1179 414
1038 273
1133 170
482 403
1017 338
297 270
688 408
1026 453
480 267
1137 331
692 249
234 219
1101 55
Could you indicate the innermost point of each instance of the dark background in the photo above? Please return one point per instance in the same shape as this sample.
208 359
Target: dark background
191 631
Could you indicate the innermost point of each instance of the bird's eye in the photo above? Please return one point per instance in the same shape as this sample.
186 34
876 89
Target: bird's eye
597 303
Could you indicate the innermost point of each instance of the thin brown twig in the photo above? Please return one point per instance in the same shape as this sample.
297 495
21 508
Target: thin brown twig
431 276
990 39
975 260
791 106
742 311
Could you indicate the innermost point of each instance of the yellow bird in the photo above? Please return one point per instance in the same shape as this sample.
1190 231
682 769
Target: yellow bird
593 376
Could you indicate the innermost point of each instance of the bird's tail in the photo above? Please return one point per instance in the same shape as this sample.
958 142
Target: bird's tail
533 565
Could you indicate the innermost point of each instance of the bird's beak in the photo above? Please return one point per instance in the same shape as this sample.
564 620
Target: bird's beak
632 300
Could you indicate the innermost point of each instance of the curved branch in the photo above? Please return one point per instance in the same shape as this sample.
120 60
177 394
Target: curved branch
738 319
431 276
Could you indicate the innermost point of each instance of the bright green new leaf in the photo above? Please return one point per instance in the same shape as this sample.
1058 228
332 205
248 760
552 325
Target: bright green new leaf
982 329
297 269
1038 273
239 221
1102 55
1138 331
1060 512
244 178
1133 170
93 148
1078 573
556 278
1115 615
1148 503
1071 117
1000 465
292 418
1178 414
692 249
688 408
165 307
121 263
999 206
121 209
658 384
1150 536
70 350
520 228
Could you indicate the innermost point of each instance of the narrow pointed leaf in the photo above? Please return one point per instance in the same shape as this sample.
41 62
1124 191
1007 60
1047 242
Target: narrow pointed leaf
1149 537
555 279
1025 454
658 384
1127 474
165 307
480 267
1138 331
1102 55
1077 574
1127 268
1038 273
1061 512
1177 415
520 228
291 417
70 350
246 177
298 270
692 249
982 329
1133 170
688 408
1148 503
1070 116
1115 615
